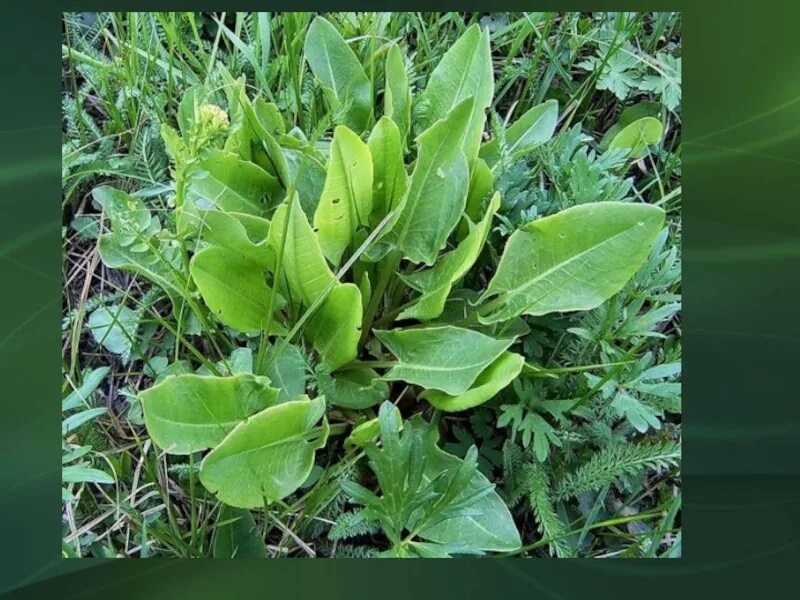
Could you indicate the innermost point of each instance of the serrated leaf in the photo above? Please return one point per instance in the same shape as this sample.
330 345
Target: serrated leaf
552 264
447 358
482 525
268 456
133 244
188 413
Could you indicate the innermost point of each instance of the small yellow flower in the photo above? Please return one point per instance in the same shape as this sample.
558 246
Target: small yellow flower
213 118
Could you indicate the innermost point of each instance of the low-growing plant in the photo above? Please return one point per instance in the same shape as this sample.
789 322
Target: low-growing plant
316 281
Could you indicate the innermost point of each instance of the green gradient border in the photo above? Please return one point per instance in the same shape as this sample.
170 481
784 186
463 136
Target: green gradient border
741 112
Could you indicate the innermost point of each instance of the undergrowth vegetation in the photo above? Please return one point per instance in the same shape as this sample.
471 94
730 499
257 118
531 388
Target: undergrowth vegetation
371 284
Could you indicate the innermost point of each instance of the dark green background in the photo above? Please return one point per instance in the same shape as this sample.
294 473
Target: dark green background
741 109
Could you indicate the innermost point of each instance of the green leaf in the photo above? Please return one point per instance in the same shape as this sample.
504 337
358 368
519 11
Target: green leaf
354 388
481 184
573 260
192 99
430 494
289 372
307 274
435 283
640 415
132 242
493 379
389 173
532 128
237 536
235 289
80 396
335 328
447 358
465 71
240 233
437 192
637 136
188 413
224 181
268 456
628 116
114 327
83 474
337 68
72 422
346 201
481 525
397 93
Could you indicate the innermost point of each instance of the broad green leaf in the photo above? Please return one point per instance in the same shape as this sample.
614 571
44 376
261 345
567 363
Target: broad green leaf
573 260
222 180
465 71
189 413
482 525
234 288
346 201
289 373
353 388
336 66
435 283
628 116
441 358
534 127
237 535
307 171
239 233
481 184
637 136
494 378
304 266
397 93
389 180
437 192
268 456
114 327
335 327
